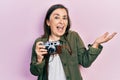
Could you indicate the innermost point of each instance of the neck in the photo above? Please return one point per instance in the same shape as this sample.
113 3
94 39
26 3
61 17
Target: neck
53 38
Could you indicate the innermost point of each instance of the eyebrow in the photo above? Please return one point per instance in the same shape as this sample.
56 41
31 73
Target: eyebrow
56 14
59 15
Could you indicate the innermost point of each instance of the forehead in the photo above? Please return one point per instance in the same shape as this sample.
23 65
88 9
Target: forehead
59 11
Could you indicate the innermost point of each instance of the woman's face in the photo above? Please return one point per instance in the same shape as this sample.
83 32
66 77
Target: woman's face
58 22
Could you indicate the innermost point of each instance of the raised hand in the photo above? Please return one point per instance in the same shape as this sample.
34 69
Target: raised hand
102 39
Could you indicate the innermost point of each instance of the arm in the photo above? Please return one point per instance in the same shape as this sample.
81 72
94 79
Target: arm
87 56
37 62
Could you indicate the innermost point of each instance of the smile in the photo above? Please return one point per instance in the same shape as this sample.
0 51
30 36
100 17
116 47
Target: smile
60 27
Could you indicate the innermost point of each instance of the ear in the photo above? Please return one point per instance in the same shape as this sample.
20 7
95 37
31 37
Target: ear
48 23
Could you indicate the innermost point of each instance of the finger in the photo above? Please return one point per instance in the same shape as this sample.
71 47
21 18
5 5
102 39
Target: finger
112 35
39 43
44 53
105 34
40 47
40 52
43 50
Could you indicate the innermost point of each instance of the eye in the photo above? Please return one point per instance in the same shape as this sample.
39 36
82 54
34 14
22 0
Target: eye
56 17
65 18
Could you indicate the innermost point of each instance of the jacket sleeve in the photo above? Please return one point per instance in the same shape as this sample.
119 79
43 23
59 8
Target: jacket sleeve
86 56
35 68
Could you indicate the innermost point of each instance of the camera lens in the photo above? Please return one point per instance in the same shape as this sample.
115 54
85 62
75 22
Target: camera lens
51 50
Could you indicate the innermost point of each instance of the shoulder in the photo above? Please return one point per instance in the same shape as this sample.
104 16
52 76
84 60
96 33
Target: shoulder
73 34
40 39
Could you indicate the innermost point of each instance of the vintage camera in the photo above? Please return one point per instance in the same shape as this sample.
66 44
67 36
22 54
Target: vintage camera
52 46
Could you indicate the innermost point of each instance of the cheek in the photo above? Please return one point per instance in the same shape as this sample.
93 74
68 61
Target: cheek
53 22
66 23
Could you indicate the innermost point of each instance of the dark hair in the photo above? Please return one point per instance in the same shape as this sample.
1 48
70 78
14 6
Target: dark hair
47 30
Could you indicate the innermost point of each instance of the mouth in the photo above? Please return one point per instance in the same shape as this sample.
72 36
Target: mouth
60 28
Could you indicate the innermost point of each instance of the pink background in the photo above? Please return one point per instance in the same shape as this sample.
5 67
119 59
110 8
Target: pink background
21 23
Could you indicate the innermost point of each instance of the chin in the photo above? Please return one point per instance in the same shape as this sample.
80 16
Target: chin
60 35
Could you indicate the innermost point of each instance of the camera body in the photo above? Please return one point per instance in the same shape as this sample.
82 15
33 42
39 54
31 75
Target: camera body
51 46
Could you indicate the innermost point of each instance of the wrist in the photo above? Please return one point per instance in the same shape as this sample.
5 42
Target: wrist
95 45
39 59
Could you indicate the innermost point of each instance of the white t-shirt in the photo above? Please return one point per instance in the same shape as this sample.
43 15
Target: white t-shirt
55 71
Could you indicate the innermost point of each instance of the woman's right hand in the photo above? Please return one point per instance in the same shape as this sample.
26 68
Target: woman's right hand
40 51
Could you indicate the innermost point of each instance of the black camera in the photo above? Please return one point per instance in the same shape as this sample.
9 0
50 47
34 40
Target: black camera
51 46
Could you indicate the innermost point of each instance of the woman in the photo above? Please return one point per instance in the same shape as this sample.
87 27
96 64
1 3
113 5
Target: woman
63 63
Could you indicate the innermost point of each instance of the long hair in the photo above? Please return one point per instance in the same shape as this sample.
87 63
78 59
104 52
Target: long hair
47 30
47 33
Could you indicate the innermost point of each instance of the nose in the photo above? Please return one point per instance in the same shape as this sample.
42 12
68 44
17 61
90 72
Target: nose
61 21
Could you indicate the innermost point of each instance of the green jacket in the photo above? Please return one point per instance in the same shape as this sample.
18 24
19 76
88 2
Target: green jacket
80 56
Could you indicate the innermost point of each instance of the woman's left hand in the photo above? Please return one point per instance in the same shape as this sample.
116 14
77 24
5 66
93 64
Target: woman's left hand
104 38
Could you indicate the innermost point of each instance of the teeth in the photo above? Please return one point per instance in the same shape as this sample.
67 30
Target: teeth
59 27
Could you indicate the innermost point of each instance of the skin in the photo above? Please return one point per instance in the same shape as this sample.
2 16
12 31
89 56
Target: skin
103 39
58 22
